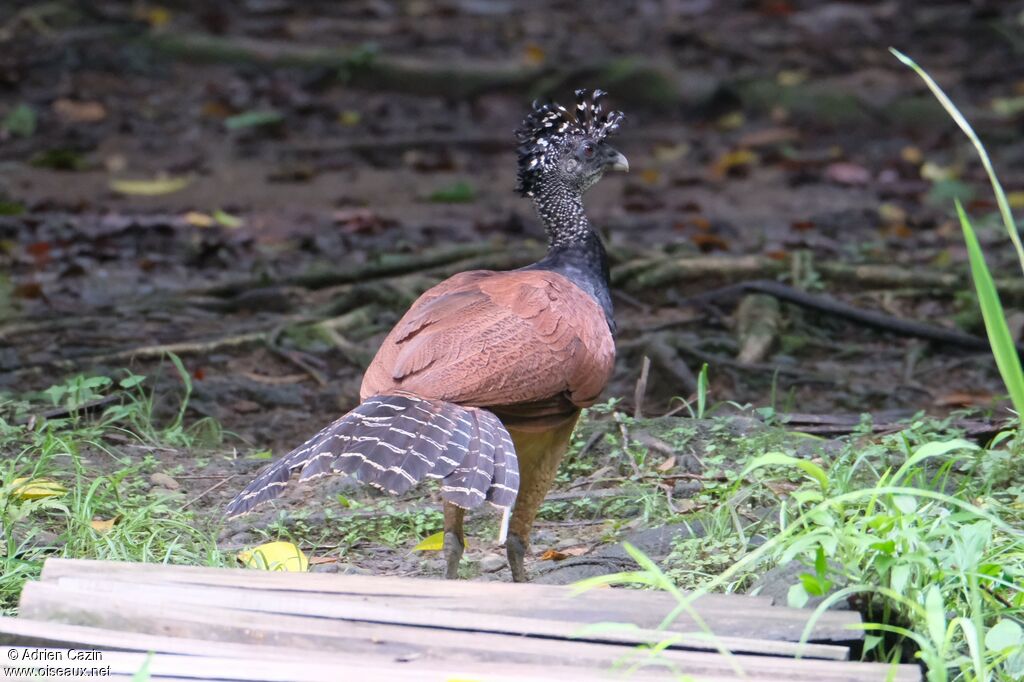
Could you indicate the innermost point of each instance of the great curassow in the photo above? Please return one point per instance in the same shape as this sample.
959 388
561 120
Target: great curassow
481 382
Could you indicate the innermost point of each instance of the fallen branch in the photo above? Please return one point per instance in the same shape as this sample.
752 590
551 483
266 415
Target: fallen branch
651 273
633 79
388 265
870 318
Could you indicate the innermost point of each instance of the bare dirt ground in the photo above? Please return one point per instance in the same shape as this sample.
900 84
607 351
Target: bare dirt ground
334 159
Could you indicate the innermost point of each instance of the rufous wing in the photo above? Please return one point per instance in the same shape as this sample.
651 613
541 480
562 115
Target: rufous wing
487 338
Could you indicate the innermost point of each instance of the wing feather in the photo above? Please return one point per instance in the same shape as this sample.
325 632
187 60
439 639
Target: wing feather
498 338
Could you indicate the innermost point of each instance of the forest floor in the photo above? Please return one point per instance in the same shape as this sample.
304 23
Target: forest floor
262 187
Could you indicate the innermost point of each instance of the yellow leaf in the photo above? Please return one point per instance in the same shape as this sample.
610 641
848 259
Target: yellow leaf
734 159
534 55
731 121
275 556
936 173
198 219
912 155
151 188
1016 199
104 525
36 489
788 79
349 118
650 175
154 15
431 543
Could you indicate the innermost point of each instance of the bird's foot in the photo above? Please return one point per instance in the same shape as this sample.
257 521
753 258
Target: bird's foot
515 548
453 548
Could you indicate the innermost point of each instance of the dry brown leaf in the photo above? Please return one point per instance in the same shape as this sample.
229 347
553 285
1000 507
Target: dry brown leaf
319 560
667 464
781 488
769 137
709 242
561 554
964 399
79 112
650 175
846 173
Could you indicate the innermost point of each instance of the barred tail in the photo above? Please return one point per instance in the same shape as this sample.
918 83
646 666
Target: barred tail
393 442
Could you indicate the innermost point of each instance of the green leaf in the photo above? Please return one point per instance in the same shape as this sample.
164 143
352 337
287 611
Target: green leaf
11 208
20 121
252 119
899 577
226 219
820 562
781 459
459 193
935 615
702 390
58 159
999 337
797 596
1004 635
131 381
814 585
905 503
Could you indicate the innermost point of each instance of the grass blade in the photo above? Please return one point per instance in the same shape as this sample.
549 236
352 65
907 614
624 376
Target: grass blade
947 104
999 337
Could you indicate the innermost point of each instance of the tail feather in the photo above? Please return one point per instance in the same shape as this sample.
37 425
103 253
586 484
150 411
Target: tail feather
505 484
393 442
466 486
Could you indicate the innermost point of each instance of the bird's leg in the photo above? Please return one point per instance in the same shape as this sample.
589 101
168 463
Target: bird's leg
539 455
454 539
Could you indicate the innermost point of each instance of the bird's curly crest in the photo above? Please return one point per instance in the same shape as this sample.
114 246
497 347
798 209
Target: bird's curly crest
544 129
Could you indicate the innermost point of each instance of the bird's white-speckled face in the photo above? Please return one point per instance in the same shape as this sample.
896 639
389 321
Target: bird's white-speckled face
585 160
572 152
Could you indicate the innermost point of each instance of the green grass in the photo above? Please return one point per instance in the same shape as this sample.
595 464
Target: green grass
921 531
1003 348
104 477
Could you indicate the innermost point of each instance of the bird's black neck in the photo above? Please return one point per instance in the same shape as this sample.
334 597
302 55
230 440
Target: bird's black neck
574 249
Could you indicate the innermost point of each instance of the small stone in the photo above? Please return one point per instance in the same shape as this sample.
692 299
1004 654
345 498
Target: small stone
325 568
164 481
571 541
683 488
542 538
491 563
352 569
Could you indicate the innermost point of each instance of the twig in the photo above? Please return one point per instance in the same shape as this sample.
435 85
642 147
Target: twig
641 389
207 491
386 266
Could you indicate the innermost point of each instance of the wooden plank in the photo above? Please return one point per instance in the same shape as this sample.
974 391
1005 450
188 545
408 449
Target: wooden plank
729 615
703 666
53 601
362 609
295 669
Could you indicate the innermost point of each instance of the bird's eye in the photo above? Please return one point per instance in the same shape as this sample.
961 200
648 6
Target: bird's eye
588 150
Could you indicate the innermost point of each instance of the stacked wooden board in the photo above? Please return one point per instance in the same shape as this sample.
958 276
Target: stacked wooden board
234 624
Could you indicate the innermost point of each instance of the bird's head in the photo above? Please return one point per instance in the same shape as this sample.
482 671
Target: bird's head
556 148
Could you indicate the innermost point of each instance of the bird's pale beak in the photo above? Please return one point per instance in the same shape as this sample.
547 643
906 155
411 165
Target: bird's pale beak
616 161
